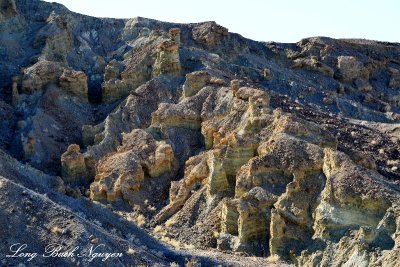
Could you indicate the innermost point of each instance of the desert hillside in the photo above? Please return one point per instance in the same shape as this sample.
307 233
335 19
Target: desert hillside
171 144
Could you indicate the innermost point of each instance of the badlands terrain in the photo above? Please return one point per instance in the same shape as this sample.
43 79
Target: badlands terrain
170 144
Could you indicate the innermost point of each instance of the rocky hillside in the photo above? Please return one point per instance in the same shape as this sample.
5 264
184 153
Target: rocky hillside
223 150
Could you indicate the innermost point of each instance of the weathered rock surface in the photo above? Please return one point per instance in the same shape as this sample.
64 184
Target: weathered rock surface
205 138
73 167
122 174
75 82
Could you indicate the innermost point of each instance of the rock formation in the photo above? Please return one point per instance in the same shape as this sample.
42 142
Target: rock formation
75 82
202 137
167 61
122 174
73 167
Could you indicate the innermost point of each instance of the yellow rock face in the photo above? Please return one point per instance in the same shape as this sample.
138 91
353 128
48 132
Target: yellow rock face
122 174
75 82
73 167
167 61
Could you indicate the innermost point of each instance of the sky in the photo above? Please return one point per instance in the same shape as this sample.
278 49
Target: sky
264 20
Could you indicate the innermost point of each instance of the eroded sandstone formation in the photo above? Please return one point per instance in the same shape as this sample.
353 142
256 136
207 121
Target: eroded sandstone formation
73 167
208 139
122 174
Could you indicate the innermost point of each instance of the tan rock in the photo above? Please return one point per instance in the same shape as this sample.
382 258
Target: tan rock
217 179
113 90
58 38
39 75
122 174
118 176
194 82
254 216
75 82
362 202
229 217
175 35
217 81
185 114
350 68
112 71
313 64
73 167
167 61
196 171
209 33
235 85
308 131
90 132
267 74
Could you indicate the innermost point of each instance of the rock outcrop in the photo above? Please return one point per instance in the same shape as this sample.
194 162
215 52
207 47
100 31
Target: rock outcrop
350 68
167 61
122 174
209 33
73 167
8 9
40 74
202 137
75 82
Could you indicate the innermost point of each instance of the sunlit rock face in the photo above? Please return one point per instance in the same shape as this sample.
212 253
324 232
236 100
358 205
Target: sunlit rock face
122 174
203 137
73 166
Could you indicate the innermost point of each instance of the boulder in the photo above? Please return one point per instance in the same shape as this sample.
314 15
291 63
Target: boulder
175 35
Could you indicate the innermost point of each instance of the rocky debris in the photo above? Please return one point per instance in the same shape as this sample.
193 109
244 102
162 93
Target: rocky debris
175 35
26 175
54 218
112 70
73 167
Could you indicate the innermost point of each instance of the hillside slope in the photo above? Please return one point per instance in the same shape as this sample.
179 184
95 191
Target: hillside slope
203 138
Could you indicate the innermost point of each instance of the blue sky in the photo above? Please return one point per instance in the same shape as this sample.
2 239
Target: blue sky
265 20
